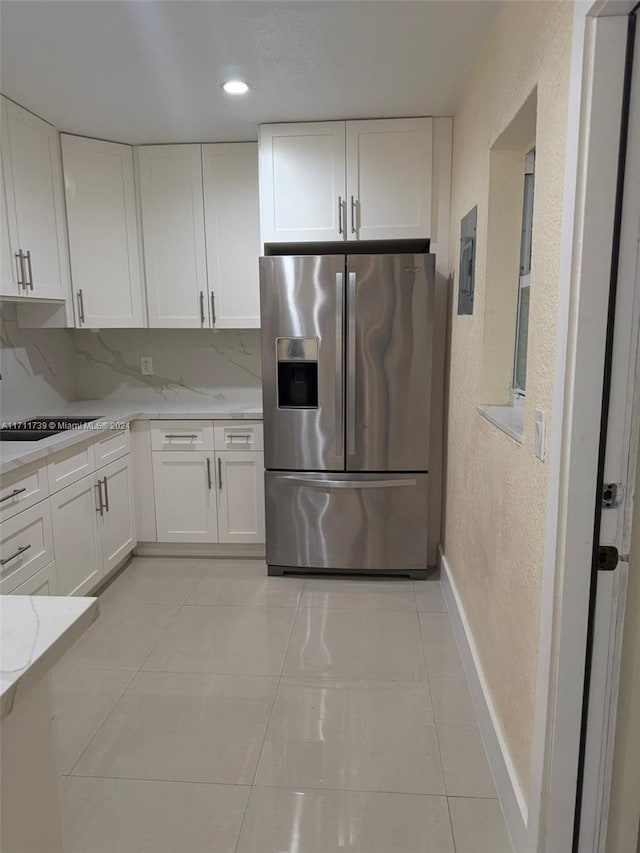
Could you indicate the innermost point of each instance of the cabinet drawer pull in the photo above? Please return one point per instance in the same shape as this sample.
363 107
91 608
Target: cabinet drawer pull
20 550
209 483
243 435
219 472
13 494
181 434
30 282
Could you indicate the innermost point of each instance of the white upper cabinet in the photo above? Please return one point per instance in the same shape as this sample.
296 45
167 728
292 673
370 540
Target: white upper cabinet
103 233
389 179
302 182
355 180
232 220
8 264
34 204
171 202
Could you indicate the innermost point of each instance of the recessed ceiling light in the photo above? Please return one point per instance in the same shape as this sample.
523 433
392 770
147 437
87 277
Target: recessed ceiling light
235 87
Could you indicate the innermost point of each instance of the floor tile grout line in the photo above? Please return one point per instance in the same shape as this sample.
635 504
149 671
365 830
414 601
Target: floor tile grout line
453 836
435 726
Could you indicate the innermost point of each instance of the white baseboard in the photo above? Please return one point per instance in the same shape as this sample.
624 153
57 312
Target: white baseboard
510 793
194 549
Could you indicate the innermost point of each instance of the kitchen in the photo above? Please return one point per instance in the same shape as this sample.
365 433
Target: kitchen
248 684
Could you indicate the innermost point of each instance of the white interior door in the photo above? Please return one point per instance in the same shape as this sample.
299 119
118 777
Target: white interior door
184 487
35 200
103 232
116 522
74 513
620 459
389 178
173 235
232 221
302 182
240 483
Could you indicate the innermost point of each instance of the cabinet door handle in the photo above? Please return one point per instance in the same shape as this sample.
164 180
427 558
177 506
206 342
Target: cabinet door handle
354 215
213 309
29 268
219 472
21 271
201 308
13 494
245 436
106 493
20 550
80 306
340 224
209 482
100 507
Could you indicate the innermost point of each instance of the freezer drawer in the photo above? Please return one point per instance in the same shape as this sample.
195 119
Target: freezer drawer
374 523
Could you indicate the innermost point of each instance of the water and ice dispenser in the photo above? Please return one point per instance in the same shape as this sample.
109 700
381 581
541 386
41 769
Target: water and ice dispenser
297 373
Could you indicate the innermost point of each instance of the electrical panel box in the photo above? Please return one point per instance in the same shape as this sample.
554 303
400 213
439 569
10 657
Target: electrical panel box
467 270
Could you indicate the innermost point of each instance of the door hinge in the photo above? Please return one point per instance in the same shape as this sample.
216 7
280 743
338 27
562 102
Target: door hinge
612 495
607 558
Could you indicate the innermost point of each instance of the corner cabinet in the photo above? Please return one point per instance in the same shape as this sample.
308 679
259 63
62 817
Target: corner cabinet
354 180
33 206
103 233
240 476
232 226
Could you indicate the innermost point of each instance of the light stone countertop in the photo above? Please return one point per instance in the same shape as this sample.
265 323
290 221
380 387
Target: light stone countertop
14 454
35 631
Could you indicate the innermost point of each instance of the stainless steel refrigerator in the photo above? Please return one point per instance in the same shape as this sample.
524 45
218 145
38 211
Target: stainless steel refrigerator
346 367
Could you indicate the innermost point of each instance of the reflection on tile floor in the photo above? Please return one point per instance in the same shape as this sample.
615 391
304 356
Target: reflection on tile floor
214 710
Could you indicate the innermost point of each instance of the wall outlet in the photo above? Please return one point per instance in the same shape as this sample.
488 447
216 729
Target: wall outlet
538 435
146 365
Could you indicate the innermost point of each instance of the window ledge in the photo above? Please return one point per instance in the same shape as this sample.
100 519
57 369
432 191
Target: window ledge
509 419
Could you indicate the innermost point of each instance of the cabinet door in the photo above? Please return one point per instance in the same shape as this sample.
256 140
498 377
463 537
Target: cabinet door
389 179
184 486
35 201
302 182
116 521
8 263
173 235
74 512
240 480
232 222
103 232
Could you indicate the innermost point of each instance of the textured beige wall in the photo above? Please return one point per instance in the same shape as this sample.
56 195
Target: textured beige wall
496 488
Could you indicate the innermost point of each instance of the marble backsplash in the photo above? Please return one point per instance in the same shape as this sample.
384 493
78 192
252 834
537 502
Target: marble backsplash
188 365
37 368
44 368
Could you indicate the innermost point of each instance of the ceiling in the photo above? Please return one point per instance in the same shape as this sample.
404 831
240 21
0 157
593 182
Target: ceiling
150 70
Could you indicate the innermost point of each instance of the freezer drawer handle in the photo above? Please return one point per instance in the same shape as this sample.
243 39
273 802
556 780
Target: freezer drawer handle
350 484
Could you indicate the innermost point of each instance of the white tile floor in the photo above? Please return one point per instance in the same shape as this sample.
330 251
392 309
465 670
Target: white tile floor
214 710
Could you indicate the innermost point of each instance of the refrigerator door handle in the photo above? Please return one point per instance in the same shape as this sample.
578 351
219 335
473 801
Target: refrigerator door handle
351 365
348 484
339 388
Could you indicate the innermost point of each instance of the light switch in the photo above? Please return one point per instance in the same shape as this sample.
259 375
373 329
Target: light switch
146 365
538 436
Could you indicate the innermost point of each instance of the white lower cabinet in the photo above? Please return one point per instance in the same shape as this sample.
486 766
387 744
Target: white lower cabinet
43 582
185 496
240 480
116 520
74 513
93 527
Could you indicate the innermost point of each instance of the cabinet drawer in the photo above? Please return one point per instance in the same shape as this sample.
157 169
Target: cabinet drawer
23 488
43 582
238 435
26 545
112 444
70 465
182 435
